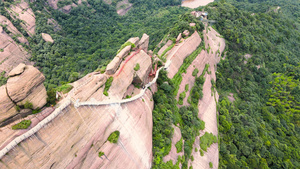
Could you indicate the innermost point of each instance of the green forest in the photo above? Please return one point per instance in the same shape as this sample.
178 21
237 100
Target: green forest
260 129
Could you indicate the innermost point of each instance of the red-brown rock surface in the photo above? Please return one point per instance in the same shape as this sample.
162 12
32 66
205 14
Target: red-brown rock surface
180 52
24 12
7 107
14 31
11 54
75 138
127 74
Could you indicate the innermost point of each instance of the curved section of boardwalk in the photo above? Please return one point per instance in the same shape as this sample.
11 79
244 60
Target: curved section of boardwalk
68 101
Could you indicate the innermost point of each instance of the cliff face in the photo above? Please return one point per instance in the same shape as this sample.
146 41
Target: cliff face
74 138
207 105
11 53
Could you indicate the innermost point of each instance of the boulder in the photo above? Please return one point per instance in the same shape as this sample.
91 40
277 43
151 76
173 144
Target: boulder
143 44
27 86
113 66
124 52
47 37
192 24
178 37
17 70
186 33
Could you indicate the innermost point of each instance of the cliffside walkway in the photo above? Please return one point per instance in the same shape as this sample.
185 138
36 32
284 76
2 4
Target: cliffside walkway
67 102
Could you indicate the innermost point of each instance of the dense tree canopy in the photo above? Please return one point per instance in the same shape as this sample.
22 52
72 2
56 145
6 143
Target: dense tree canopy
261 128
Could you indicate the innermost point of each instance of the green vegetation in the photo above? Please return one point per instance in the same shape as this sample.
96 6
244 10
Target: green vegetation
201 152
211 165
28 105
168 48
107 85
24 124
261 128
63 3
186 63
126 44
137 67
178 146
51 93
165 114
101 154
64 88
3 79
82 45
181 97
195 72
206 140
186 88
114 136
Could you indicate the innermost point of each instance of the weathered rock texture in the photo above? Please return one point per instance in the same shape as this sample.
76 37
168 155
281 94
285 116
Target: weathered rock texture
161 50
143 44
7 107
89 86
11 54
180 52
195 3
115 63
24 13
207 105
25 83
173 155
14 31
74 139
127 74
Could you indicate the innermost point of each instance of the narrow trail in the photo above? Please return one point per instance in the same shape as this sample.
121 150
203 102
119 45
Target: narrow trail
64 105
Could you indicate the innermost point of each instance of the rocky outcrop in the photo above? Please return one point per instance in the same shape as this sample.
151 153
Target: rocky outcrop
47 37
161 50
25 83
123 7
23 12
186 33
14 31
173 155
115 63
11 54
127 74
180 52
75 138
89 86
143 44
135 41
